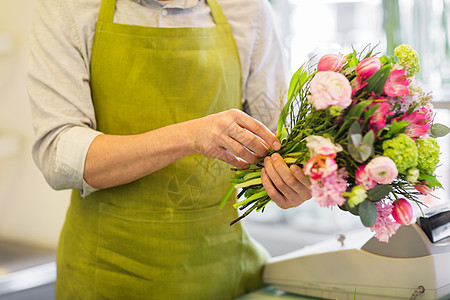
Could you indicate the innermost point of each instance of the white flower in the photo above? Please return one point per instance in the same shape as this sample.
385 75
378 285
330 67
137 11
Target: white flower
317 142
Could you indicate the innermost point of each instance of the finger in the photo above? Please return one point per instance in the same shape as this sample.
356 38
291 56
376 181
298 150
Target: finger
287 175
249 140
271 190
259 129
298 173
279 183
240 151
229 158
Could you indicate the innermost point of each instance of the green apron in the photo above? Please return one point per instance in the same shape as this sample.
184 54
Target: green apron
163 236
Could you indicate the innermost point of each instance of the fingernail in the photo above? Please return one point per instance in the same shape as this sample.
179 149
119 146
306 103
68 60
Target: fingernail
276 145
275 156
295 168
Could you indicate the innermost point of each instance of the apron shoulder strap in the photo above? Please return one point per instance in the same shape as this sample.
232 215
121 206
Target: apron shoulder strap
216 11
107 9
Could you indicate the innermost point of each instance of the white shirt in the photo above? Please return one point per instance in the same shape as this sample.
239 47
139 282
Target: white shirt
58 78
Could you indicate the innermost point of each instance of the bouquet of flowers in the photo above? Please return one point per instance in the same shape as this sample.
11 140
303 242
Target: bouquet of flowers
361 127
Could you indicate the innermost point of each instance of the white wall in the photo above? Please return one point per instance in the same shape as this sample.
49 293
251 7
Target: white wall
30 211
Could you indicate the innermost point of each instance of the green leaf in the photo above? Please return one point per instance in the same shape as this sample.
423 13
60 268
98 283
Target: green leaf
358 109
377 81
397 127
367 213
353 61
355 153
439 130
431 180
294 81
356 139
352 210
379 192
365 151
298 80
370 112
369 138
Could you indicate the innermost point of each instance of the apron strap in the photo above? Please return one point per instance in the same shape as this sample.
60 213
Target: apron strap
108 7
216 12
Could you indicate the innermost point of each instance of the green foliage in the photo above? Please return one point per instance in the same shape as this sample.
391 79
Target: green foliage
367 213
377 81
379 192
439 130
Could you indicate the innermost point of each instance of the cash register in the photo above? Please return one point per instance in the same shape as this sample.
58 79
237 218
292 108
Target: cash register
415 264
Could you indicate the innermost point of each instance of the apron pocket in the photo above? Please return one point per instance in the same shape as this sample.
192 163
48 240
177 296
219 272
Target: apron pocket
167 254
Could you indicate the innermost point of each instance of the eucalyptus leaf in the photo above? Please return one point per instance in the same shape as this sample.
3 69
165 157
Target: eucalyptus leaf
352 210
367 213
369 138
439 130
365 151
379 192
356 139
354 152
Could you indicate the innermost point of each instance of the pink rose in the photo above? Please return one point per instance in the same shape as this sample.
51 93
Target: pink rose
363 179
397 84
330 88
402 211
330 62
382 169
367 67
321 166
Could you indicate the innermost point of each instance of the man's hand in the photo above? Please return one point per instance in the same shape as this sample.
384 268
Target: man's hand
232 136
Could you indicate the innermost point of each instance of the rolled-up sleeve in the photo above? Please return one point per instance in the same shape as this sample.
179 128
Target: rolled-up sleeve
58 85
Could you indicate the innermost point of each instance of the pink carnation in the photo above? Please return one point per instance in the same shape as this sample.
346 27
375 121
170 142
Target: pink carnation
328 190
330 88
384 226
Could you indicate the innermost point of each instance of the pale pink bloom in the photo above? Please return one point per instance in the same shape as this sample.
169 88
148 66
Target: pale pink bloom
378 120
397 84
418 124
427 109
402 211
382 169
321 166
330 88
331 62
328 191
363 179
367 67
317 143
384 226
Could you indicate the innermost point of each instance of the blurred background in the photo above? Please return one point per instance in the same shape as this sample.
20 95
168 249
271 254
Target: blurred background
32 214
